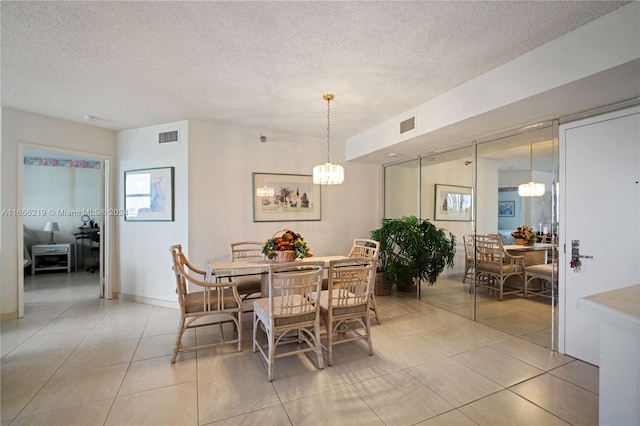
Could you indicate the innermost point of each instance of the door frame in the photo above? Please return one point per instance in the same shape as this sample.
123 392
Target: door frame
604 114
106 222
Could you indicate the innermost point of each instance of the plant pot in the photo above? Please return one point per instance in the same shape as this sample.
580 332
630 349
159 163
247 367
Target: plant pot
409 287
521 241
379 288
285 256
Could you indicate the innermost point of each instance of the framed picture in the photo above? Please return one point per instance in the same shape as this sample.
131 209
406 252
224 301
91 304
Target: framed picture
148 194
506 208
283 198
452 203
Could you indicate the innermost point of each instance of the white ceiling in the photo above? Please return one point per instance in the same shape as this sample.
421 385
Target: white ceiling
262 65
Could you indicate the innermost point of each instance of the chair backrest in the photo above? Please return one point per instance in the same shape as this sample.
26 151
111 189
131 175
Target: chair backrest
365 248
247 251
184 272
489 249
468 246
294 288
351 280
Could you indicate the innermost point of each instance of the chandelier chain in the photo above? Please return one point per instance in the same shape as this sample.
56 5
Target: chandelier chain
328 129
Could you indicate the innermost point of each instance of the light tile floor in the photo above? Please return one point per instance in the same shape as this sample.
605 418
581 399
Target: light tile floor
76 359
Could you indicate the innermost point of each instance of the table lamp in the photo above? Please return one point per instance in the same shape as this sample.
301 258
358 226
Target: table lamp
51 227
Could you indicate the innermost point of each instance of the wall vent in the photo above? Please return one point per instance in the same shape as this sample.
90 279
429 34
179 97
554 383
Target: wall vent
168 137
408 124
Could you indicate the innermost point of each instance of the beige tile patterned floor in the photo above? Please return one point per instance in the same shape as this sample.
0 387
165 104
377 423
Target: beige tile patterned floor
76 359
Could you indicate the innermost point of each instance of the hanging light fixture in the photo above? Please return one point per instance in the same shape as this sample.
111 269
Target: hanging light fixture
328 173
265 191
531 189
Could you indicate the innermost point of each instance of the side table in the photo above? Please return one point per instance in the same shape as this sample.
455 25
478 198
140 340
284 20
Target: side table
52 257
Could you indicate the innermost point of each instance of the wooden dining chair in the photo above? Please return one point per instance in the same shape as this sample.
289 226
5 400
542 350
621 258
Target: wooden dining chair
291 314
344 307
248 251
367 248
204 303
494 265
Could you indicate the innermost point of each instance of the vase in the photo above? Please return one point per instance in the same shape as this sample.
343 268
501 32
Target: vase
285 256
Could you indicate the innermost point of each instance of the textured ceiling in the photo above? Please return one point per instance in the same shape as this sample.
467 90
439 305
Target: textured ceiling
262 65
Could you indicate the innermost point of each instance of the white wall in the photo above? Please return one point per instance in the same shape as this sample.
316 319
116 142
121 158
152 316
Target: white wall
71 189
221 162
21 126
487 197
143 247
401 189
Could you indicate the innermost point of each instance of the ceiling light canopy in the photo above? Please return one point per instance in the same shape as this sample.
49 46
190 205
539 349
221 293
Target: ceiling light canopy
328 173
531 188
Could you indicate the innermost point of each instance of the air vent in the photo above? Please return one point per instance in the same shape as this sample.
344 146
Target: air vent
408 124
168 137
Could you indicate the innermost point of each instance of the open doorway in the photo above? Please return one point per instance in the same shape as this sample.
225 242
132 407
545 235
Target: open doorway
63 254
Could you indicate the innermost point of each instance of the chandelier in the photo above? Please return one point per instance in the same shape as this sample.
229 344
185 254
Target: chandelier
328 173
531 188
265 191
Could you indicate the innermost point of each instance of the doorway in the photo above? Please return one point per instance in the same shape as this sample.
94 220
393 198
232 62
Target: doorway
63 186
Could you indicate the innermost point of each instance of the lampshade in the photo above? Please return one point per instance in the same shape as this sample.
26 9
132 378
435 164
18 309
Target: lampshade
328 173
531 188
265 191
51 226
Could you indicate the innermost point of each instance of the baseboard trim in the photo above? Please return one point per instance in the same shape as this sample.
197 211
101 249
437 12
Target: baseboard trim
8 317
147 300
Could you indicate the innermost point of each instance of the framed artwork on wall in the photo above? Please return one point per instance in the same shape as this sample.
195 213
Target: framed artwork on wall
285 197
506 208
452 203
148 195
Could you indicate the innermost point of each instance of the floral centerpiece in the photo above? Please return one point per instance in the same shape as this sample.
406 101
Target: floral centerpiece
287 247
524 235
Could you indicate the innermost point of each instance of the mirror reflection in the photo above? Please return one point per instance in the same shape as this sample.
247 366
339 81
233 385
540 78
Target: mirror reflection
500 172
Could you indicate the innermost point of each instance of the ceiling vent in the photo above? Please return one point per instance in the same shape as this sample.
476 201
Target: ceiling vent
168 137
408 124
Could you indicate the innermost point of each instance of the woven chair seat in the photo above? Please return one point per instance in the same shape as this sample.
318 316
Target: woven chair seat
544 270
194 302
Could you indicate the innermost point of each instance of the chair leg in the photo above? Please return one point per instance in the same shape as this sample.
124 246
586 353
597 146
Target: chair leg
374 307
319 346
176 346
328 325
367 320
272 352
255 329
239 325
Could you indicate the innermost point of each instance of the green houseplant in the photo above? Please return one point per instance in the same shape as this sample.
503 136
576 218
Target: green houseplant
413 250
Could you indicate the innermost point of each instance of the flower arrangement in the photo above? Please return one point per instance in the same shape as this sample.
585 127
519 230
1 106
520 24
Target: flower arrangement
525 233
288 241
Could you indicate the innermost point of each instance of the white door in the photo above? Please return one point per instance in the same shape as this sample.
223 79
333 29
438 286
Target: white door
599 206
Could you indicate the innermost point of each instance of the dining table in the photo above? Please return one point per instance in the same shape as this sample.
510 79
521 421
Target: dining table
224 270
534 254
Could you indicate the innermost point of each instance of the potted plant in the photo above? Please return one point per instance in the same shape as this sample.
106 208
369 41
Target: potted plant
524 236
413 250
286 248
